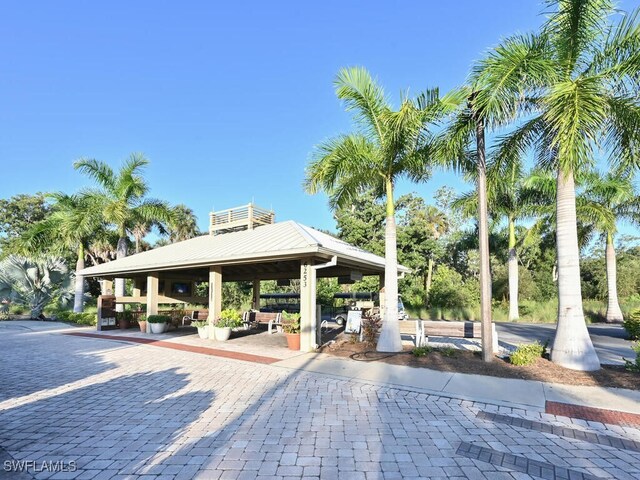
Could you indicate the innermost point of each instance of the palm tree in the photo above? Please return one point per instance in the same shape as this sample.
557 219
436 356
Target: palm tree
122 199
506 199
579 95
615 192
184 224
438 225
387 146
73 222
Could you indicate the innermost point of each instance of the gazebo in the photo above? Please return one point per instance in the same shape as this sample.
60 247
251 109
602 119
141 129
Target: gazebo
243 244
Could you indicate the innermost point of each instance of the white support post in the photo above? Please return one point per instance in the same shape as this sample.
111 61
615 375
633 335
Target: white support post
153 283
106 287
215 296
307 306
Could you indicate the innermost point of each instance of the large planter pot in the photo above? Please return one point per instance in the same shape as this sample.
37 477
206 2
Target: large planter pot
124 323
143 326
158 327
293 341
222 334
203 332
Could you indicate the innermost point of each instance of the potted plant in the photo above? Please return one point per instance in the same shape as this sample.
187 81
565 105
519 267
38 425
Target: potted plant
203 328
124 319
142 322
229 319
291 327
158 323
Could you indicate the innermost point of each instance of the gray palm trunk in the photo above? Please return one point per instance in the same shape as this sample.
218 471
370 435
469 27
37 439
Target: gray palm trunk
389 340
483 241
78 299
572 347
514 313
121 252
614 313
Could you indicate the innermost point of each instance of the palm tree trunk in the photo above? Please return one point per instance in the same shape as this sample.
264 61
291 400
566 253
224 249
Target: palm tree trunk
572 347
389 340
514 314
429 276
614 313
483 241
121 252
78 300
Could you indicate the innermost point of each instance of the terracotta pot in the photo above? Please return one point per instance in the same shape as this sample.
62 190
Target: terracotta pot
143 326
293 341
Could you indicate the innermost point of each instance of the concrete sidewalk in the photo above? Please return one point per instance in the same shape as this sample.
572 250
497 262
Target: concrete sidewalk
514 393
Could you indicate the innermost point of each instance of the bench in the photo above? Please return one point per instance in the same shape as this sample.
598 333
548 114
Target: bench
459 329
252 318
199 315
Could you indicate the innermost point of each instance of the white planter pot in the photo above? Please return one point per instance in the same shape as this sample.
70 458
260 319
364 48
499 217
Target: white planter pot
222 334
158 327
203 332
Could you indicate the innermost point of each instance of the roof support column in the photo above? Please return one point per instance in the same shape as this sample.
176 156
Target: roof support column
137 288
215 295
255 304
153 284
106 287
307 306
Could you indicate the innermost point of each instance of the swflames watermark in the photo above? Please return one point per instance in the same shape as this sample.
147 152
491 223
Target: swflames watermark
33 466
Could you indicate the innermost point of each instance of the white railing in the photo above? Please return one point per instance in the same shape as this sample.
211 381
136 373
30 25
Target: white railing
238 218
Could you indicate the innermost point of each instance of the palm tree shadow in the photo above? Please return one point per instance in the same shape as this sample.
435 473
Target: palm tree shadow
136 419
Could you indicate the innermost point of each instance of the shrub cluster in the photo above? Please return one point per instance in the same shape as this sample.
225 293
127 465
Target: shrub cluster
526 354
632 325
634 366
370 327
158 319
83 318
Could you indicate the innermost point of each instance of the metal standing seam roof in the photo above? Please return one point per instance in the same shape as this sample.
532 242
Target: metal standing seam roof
287 238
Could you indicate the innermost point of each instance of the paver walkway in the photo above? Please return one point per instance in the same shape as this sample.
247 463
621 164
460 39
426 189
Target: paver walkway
135 411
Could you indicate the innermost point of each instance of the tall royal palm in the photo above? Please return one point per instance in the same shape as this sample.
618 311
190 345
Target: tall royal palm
506 200
388 145
616 194
122 200
582 102
72 224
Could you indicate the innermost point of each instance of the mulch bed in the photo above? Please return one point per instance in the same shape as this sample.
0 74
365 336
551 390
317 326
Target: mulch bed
471 362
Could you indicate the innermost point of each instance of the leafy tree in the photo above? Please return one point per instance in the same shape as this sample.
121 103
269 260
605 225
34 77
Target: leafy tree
122 200
183 225
388 145
19 213
34 282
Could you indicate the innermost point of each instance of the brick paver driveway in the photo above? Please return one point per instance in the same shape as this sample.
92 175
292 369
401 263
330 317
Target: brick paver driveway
104 409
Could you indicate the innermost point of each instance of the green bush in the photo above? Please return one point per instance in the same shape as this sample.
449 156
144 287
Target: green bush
633 366
84 318
422 351
632 325
158 319
526 354
449 290
199 323
229 318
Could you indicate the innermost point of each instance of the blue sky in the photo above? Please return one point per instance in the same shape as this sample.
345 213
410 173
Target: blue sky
227 99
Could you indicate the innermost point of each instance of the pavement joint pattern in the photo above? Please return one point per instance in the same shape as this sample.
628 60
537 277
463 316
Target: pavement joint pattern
563 431
126 410
522 464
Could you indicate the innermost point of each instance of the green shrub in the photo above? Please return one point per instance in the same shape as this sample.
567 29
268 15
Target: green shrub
17 309
199 323
448 351
84 318
370 327
633 366
158 319
526 354
632 325
422 351
229 318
